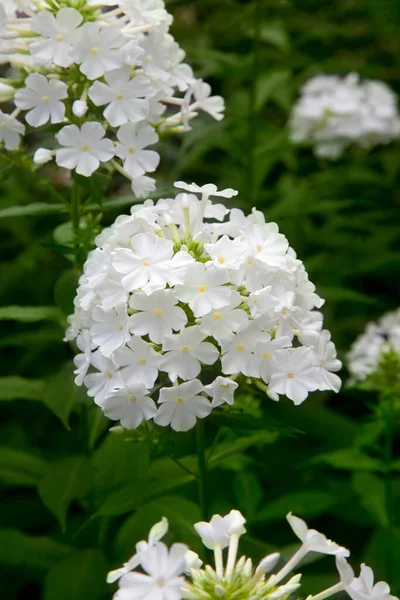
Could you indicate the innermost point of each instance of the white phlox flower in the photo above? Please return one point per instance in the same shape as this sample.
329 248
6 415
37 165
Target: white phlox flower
156 572
334 113
118 55
159 313
368 349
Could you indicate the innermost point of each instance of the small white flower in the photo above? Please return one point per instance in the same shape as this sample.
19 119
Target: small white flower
158 315
125 97
10 131
225 253
312 540
221 390
326 354
139 362
209 189
108 379
143 186
58 35
110 329
295 373
132 141
146 262
238 351
97 51
261 365
221 323
204 289
147 12
82 361
185 351
362 587
161 579
181 405
130 405
213 105
42 98
218 531
85 148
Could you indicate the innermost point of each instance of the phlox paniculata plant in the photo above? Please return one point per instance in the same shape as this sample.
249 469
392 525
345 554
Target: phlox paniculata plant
335 112
107 78
156 572
183 299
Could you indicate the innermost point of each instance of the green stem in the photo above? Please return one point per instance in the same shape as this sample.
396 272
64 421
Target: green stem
389 500
202 467
252 120
75 218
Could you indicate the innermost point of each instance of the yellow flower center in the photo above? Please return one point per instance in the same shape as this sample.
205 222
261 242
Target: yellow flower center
291 375
94 51
259 248
120 327
158 312
85 148
217 316
266 355
146 262
221 260
180 400
240 347
46 99
142 361
201 288
133 398
185 349
131 150
60 37
249 261
120 96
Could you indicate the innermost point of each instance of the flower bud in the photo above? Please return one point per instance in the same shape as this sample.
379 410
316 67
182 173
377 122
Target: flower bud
79 108
268 563
42 156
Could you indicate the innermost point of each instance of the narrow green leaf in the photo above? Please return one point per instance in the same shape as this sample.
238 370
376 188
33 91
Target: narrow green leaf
349 459
371 492
31 210
29 314
305 504
61 394
225 451
66 480
19 551
19 388
81 576
19 468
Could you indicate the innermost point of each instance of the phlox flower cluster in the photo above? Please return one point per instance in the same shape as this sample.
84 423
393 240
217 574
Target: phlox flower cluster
108 76
335 112
183 290
378 338
177 572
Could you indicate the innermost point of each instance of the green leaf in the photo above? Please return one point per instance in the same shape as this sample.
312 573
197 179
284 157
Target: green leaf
181 514
349 459
383 553
29 314
273 85
21 551
61 394
248 492
66 480
225 451
32 210
19 468
371 492
65 290
306 504
19 388
81 576
274 33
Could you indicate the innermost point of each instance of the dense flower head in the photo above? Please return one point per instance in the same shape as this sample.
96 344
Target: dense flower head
379 338
109 78
177 573
335 112
182 290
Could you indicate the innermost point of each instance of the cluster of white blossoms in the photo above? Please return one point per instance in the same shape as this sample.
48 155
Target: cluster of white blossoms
182 290
367 350
334 112
105 74
177 572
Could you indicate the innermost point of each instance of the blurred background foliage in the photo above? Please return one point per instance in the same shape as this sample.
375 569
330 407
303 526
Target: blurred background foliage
76 499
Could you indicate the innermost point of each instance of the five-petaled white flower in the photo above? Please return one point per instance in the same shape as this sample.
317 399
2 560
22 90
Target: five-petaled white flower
221 390
130 405
132 141
295 373
158 315
204 289
106 380
125 97
362 587
97 50
313 540
58 35
110 329
42 98
181 405
84 148
139 362
10 131
185 351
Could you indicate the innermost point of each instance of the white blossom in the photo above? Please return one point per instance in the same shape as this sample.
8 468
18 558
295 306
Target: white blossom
313 540
181 405
204 289
83 149
58 35
139 362
132 141
130 405
97 51
362 587
42 98
185 351
157 315
10 131
221 390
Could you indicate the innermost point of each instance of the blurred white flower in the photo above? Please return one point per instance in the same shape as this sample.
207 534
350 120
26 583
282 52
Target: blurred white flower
42 99
83 149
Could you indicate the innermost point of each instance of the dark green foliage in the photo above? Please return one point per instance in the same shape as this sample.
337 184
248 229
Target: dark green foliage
75 498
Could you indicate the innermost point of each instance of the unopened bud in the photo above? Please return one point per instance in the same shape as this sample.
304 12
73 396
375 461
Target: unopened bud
268 563
42 156
219 590
79 108
248 567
